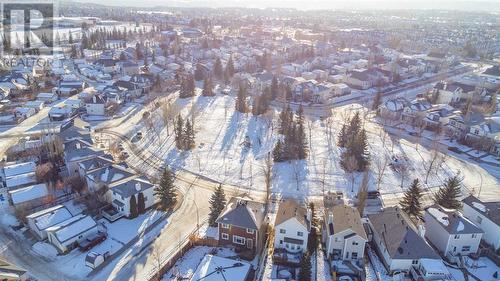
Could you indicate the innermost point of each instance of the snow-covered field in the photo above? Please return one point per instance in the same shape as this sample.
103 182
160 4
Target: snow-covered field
220 154
483 268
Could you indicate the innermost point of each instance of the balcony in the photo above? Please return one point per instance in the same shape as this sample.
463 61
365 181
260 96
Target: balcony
111 213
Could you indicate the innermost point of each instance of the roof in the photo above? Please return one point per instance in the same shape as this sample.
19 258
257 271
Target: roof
243 213
20 180
491 210
96 162
17 169
49 217
10 272
233 270
493 71
109 174
129 187
72 227
452 220
346 217
292 209
399 236
28 193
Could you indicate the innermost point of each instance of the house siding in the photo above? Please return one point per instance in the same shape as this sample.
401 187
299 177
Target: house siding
238 231
291 226
491 230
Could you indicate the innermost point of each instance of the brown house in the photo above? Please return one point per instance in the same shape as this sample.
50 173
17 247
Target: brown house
241 225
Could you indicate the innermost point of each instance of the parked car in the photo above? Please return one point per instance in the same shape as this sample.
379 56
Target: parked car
90 241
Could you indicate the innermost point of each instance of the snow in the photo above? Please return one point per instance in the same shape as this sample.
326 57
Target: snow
19 180
49 217
18 169
483 268
440 216
28 193
323 273
45 250
72 227
210 232
124 230
8 219
434 266
210 263
479 206
460 226
221 132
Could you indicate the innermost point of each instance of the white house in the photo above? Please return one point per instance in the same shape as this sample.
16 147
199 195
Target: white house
97 106
450 232
17 169
47 97
343 234
121 193
292 227
486 215
38 222
65 235
397 242
30 195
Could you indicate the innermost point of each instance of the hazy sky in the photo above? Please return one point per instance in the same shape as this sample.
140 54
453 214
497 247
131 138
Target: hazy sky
484 5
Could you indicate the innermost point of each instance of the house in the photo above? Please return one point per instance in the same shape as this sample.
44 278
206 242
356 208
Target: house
397 242
35 104
210 267
341 89
76 150
38 222
106 176
123 191
10 272
60 113
17 169
241 225
96 106
343 233
66 234
450 232
486 216
19 181
292 227
393 109
47 97
24 112
29 196
94 163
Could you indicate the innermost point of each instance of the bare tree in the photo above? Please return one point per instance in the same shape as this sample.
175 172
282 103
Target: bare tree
157 262
297 174
437 159
381 165
363 193
165 114
351 165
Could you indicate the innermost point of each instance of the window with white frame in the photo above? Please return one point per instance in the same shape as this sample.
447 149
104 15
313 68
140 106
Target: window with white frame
251 231
225 236
238 240
457 236
282 231
474 235
465 248
355 243
225 225
300 233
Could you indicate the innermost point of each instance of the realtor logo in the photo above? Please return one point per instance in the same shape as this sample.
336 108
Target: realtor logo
27 27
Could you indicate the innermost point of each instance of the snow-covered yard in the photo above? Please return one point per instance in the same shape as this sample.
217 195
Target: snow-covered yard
119 233
483 268
221 133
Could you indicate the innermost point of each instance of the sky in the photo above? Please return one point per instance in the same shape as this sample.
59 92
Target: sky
467 5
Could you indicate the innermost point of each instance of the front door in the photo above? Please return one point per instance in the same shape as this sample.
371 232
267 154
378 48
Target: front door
249 243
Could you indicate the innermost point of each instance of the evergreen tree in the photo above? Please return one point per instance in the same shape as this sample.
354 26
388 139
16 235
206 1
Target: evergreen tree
141 205
179 132
448 195
187 87
241 103
360 150
301 135
198 72
217 204
305 268
133 207
208 88
410 203
70 38
218 72
188 136
229 68
377 101
342 137
278 151
165 191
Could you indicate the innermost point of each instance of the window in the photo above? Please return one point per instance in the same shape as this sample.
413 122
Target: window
414 262
479 219
474 235
300 233
336 239
457 236
225 236
354 255
465 248
355 243
238 240
281 242
251 231
225 225
282 231
122 198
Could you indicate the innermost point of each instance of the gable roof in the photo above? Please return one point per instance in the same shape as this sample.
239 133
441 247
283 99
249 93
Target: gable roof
491 210
399 236
49 217
72 227
452 220
292 209
242 213
28 193
346 217
131 186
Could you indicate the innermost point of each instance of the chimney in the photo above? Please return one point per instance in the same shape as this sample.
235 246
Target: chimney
94 99
421 230
78 145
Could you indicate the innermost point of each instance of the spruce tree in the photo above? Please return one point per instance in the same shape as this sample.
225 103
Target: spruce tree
410 203
165 191
179 132
218 69
229 68
207 88
217 204
141 204
301 135
448 195
278 151
342 137
360 150
133 207
188 136
305 268
198 72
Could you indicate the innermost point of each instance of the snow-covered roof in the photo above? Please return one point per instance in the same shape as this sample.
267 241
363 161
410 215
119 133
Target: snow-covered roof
17 169
452 220
28 193
51 216
233 270
434 266
72 227
20 180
